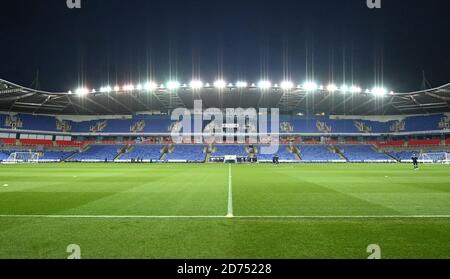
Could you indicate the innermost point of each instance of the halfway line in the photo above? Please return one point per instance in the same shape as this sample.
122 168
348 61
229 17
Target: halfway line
230 194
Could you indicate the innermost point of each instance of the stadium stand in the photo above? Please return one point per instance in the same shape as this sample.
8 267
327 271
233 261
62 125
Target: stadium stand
224 150
55 156
426 142
146 152
3 156
403 155
98 153
188 153
423 123
284 154
9 141
318 153
363 153
32 142
393 143
163 124
107 138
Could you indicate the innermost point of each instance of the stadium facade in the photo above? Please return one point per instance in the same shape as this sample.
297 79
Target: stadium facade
135 123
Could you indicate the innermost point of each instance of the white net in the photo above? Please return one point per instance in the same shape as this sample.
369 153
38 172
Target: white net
23 157
435 158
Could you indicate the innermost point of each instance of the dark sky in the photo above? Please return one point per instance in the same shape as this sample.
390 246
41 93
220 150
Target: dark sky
120 41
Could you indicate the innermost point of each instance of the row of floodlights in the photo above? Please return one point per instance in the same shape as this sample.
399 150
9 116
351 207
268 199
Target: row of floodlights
308 86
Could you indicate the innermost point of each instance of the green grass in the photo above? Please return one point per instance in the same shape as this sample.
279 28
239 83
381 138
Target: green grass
202 190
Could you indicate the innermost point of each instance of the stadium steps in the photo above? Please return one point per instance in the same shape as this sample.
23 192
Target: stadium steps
129 148
338 151
392 157
123 151
377 149
252 152
294 150
208 150
208 156
165 151
297 153
70 157
84 149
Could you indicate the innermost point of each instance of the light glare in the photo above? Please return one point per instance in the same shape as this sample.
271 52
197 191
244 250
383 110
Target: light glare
286 85
82 91
150 86
310 86
196 84
220 84
173 85
379 91
332 88
241 84
355 89
264 84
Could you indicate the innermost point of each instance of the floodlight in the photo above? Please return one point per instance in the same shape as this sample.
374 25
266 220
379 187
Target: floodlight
173 85
379 91
355 89
82 91
106 89
332 88
287 85
344 88
264 84
241 84
196 84
128 87
220 84
116 88
310 86
150 86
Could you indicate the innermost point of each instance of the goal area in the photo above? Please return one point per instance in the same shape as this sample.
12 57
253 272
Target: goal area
435 158
23 157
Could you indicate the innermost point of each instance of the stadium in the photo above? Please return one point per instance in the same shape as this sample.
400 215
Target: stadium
104 163
224 138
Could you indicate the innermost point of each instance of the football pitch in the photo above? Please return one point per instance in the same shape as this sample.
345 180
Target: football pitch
197 211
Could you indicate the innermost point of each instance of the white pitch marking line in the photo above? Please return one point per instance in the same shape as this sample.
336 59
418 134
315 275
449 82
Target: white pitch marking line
109 217
224 217
230 194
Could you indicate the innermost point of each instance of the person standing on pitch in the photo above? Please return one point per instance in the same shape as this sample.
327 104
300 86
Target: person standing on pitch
415 160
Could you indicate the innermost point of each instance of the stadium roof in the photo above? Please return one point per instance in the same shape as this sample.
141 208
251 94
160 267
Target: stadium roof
308 99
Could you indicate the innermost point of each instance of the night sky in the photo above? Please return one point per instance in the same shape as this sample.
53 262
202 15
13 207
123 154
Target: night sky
120 41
